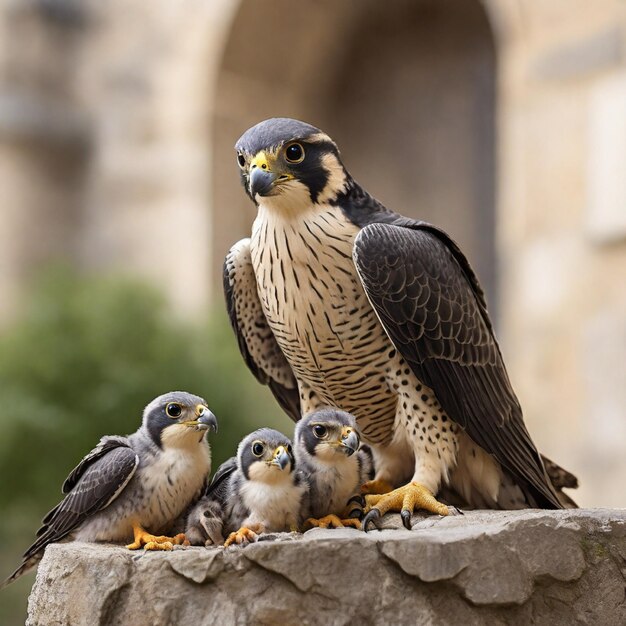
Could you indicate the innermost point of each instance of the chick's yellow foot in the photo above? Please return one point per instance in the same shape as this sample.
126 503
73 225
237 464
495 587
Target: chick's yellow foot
404 499
331 521
376 486
153 545
241 537
154 542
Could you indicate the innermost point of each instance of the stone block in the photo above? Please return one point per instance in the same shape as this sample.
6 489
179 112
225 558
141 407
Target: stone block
505 567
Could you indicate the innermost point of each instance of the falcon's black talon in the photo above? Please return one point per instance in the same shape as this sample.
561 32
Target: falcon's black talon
355 514
453 510
374 517
405 514
359 499
357 511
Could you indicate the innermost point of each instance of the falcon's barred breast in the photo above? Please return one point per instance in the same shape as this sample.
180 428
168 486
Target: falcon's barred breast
337 301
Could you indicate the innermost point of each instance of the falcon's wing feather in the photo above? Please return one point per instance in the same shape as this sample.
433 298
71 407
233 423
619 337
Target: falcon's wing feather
433 309
95 483
224 471
257 343
106 444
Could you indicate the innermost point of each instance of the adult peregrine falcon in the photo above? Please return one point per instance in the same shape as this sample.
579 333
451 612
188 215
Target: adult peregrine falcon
128 484
337 301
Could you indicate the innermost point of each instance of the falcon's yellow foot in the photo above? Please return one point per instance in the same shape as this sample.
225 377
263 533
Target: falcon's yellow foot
154 542
376 486
404 499
331 521
153 545
242 537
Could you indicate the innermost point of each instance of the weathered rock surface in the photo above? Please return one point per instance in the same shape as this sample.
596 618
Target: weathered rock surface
522 567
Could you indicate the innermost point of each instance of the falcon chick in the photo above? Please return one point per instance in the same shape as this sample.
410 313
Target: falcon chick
258 491
327 453
338 301
126 485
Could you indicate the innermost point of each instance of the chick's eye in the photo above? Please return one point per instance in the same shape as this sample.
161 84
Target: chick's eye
241 160
294 153
319 431
257 448
173 410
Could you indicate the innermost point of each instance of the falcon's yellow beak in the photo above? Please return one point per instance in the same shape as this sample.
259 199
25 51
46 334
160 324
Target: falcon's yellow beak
281 458
349 440
265 174
204 419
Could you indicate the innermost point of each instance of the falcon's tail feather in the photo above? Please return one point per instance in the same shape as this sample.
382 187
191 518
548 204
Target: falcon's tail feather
26 566
561 479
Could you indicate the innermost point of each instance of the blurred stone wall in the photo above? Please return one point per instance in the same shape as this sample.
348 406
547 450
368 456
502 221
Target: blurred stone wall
562 232
503 122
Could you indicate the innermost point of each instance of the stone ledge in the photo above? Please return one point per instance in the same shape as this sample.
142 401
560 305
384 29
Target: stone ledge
514 567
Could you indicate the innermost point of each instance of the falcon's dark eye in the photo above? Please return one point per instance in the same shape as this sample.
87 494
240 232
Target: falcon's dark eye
294 153
241 160
173 410
258 448
289 450
319 431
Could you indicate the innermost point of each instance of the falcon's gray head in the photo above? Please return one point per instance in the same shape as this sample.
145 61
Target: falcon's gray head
327 435
266 456
289 165
177 419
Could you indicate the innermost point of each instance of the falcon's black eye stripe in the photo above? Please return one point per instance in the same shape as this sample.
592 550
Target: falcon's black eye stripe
241 160
294 153
258 448
319 431
173 410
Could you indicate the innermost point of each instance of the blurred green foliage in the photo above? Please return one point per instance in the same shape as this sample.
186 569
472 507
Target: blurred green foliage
85 357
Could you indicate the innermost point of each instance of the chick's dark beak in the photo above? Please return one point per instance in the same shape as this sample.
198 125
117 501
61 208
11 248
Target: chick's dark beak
350 441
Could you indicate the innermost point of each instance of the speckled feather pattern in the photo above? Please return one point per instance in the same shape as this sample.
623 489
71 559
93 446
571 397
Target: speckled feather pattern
318 313
323 323
315 311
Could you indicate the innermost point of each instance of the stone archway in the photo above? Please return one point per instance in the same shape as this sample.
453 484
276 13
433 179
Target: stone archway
407 92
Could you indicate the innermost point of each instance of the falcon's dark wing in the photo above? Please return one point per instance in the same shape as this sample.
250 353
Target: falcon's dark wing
256 339
432 307
224 471
95 482
106 444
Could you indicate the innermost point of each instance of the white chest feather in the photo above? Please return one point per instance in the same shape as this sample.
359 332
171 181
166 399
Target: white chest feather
337 483
310 292
301 260
275 506
318 312
173 480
